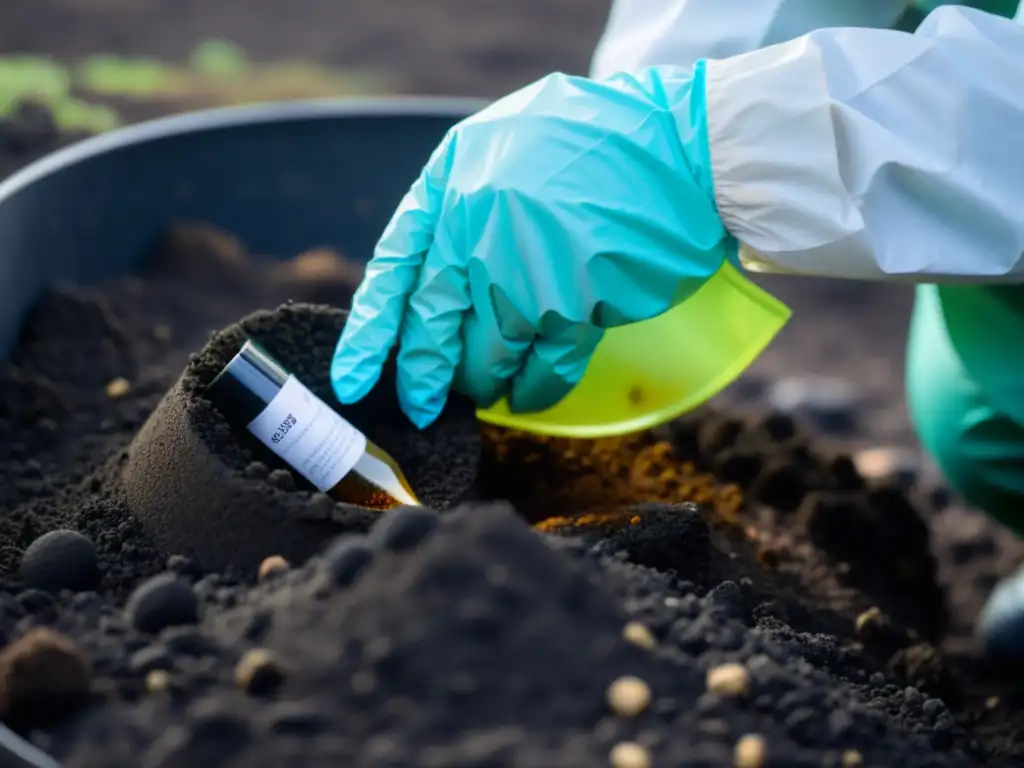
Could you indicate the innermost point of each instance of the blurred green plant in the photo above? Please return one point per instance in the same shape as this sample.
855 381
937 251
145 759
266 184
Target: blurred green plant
106 74
42 79
219 58
216 73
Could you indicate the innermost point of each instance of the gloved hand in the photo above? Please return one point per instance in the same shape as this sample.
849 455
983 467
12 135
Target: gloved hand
567 208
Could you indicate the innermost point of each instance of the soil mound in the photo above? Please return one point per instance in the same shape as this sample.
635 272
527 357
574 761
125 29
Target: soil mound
488 644
194 485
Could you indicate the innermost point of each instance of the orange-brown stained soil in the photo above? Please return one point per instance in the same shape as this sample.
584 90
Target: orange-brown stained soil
560 482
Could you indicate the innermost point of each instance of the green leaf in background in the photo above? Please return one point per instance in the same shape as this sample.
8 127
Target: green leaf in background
78 115
125 77
217 73
32 76
219 58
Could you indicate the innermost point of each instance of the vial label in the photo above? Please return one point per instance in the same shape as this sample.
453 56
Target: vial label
308 435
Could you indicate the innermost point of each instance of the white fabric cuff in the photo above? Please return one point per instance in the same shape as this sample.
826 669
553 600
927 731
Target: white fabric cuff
775 161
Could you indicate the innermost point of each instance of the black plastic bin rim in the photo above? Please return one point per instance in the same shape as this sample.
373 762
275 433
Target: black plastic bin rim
227 117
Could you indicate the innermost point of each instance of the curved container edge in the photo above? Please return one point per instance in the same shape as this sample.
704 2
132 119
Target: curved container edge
283 177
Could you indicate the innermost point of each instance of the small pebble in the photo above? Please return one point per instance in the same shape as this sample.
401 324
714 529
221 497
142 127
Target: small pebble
1001 623
256 470
403 528
871 617
151 657
162 601
157 680
636 633
320 507
44 677
897 464
729 680
60 560
274 565
932 707
346 558
117 388
628 754
852 759
282 479
319 264
750 752
629 696
259 672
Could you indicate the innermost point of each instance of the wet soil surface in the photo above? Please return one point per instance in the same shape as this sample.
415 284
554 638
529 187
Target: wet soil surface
724 591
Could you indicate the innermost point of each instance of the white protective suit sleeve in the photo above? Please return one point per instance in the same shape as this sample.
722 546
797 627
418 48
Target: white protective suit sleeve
874 154
645 33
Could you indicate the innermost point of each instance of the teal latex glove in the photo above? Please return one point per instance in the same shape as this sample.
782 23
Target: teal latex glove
567 208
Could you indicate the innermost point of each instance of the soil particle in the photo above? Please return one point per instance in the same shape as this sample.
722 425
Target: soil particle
751 752
729 680
629 696
346 559
162 601
627 754
44 677
259 672
639 635
404 528
60 560
272 566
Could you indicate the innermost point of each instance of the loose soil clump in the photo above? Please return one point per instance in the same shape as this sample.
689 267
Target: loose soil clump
193 484
684 597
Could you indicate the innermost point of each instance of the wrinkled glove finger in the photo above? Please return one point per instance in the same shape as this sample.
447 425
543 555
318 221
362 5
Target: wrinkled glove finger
379 304
554 365
489 361
489 358
430 344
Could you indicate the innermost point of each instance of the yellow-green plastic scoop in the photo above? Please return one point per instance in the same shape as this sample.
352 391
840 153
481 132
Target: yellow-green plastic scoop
648 373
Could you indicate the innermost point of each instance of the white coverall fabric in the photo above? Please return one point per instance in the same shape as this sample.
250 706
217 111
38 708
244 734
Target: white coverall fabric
852 152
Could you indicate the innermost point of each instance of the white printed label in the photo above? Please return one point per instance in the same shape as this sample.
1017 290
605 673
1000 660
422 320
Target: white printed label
309 435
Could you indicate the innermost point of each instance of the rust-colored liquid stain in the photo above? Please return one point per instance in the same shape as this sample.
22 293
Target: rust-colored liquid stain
559 482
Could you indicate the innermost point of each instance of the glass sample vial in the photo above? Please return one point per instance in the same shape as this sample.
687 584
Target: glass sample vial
256 393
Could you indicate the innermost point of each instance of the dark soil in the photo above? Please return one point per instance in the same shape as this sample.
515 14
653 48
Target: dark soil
193 484
590 621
